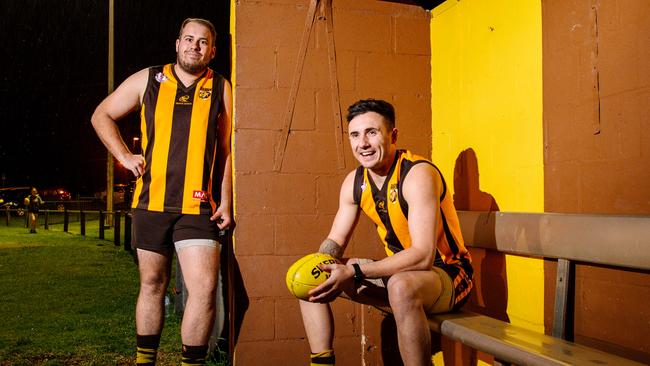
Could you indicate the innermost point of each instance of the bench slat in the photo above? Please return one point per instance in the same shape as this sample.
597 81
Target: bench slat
621 240
518 345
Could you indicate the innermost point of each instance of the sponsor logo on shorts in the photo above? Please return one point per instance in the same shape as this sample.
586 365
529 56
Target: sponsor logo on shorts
160 77
200 195
205 93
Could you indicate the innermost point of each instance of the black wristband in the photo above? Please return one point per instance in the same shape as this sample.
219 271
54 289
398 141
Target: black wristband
358 274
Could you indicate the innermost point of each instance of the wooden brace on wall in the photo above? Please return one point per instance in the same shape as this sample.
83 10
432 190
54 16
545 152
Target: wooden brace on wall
326 14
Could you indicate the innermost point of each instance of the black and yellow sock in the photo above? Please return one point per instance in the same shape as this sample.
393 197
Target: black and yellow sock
325 358
194 355
147 349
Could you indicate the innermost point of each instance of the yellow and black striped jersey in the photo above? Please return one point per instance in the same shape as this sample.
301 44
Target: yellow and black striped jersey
179 142
388 209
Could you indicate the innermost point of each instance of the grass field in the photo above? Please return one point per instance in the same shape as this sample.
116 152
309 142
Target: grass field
69 300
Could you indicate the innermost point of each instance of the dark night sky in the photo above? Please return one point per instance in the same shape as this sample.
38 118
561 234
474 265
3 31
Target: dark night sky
54 55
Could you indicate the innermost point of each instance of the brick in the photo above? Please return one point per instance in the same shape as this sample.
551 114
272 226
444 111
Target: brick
256 67
420 145
276 194
362 31
618 314
255 235
412 35
264 276
288 320
575 129
261 108
413 114
365 242
618 62
301 234
348 350
315 69
346 318
569 59
259 320
254 150
621 126
309 152
629 178
328 188
380 334
304 113
623 51
324 111
263 24
562 179
266 109
378 7
392 74
346 68
287 352
289 324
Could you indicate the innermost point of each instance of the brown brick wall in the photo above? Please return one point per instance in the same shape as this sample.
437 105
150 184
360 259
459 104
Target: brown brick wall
597 151
382 51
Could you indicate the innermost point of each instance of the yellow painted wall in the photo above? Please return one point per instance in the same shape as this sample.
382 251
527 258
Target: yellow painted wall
486 63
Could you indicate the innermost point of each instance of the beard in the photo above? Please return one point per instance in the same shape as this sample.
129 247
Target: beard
192 67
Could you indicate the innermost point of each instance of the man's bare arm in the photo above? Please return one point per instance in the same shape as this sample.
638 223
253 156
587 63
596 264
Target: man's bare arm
125 99
223 214
329 246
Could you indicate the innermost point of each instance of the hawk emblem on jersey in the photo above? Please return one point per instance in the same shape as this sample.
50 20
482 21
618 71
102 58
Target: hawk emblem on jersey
160 77
205 93
392 196
200 195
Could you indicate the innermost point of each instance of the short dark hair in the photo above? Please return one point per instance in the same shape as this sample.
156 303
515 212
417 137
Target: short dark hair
378 106
203 22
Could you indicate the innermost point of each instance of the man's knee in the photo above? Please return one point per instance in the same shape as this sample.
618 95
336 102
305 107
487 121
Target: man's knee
153 281
402 292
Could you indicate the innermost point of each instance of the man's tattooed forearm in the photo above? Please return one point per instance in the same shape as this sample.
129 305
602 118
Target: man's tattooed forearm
330 247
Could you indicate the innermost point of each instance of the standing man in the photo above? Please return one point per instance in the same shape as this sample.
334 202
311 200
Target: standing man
182 197
427 269
33 204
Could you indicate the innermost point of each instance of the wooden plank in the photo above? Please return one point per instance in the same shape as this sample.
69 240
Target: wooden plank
518 345
334 83
622 241
295 85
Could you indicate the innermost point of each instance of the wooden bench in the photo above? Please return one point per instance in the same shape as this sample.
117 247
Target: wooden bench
619 241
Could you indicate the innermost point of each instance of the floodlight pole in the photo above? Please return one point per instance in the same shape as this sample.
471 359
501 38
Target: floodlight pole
109 160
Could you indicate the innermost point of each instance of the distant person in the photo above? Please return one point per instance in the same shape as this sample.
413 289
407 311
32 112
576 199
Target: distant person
427 269
33 204
182 197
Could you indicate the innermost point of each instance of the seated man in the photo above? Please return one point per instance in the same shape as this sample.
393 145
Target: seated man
427 269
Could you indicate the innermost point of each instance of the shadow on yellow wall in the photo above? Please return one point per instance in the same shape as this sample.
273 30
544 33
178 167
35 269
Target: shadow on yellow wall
490 295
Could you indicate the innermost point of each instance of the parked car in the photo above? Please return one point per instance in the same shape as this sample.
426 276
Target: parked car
13 198
56 197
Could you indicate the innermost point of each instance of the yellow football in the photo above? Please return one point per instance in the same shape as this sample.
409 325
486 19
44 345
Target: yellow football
305 275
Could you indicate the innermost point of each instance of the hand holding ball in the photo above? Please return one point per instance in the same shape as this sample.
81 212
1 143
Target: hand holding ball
304 274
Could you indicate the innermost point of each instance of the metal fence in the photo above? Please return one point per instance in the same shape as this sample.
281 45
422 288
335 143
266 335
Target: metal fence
86 219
